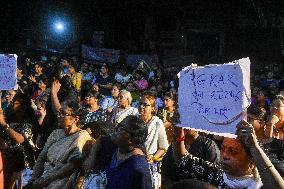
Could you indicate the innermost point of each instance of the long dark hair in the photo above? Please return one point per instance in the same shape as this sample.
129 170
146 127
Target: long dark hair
137 130
23 114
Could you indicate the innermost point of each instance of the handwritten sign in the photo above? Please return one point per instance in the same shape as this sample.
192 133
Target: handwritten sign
8 71
100 54
212 98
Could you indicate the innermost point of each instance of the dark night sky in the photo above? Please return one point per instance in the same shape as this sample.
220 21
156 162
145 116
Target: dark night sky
85 15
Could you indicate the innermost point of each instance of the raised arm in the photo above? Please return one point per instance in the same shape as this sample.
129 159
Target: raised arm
269 175
56 106
14 135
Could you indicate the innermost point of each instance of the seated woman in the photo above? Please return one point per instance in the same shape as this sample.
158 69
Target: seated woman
240 159
88 177
275 124
156 143
124 160
93 112
60 158
124 108
16 129
167 113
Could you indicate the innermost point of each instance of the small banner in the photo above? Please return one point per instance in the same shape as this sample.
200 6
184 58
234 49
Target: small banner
8 71
100 54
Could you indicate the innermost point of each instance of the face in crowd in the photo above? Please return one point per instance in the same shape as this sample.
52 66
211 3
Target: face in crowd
168 102
277 108
69 121
10 95
114 91
72 70
104 70
123 100
147 105
38 69
234 158
91 99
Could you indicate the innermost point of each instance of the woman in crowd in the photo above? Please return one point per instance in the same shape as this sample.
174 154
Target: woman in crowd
17 132
104 80
111 102
58 162
124 161
167 113
76 77
139 81
8 99
273 147
93 112
89 177
240 159
124 108
41 95
275 124
122 76
156 143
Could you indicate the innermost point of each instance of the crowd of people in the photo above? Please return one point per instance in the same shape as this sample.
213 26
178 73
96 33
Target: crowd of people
73 124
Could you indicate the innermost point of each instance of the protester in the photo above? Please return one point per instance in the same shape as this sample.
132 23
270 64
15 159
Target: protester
198 145
105 80
17 131
167 113
8 99
274 148
76 77
124 108
59 161
93 112
156 143
124 161
111 102
239 158
122 76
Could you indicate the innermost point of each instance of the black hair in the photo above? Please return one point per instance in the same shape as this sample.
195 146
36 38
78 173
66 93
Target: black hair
24 114
137 130
258 112
170 95
76 110
57 73
94 94
99 128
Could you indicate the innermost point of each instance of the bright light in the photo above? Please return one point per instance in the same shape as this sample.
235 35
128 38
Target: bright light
182 36
59 27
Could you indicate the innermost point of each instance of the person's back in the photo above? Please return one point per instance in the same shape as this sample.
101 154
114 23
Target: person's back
125 176
202 147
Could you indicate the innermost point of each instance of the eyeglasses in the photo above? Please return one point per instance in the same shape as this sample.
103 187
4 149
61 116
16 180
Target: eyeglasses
144 104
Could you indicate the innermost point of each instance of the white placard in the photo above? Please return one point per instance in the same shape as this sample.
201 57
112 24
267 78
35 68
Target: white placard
213 98
8 71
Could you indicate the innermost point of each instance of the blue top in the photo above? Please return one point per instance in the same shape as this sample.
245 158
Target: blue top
133 173
108 102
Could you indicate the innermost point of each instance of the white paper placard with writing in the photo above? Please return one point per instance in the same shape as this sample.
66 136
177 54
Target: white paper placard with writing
8 71
213 98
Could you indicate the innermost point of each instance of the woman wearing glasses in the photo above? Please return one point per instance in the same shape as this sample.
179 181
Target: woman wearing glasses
156 142
56 166
93 112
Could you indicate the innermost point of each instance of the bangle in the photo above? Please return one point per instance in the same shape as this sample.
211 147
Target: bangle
180 139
